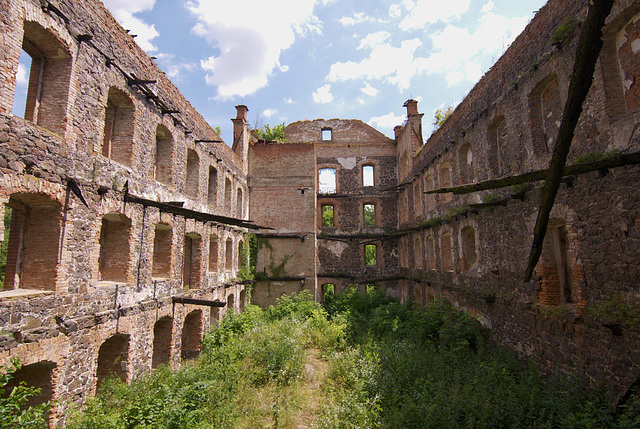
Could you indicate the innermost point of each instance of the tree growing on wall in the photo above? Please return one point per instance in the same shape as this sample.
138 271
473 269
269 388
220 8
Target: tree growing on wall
441 116
271 134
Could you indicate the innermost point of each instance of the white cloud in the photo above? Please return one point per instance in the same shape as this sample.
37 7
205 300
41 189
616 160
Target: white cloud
423 12
176 70
369 90
323 95
488 7
124 10
395 11
22 75
374 39
394 65
386 122
358 18
267 113
288 100
459 53
249 41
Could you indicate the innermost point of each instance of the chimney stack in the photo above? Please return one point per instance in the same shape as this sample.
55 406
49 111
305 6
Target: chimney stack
242 112
412 107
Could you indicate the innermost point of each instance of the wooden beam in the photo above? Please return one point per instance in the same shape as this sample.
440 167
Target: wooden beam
209 303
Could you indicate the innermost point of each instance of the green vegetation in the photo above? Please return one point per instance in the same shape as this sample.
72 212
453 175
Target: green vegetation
327 215
369 215
370 255
14 412
441 116
4 247
248 257
615 310
271 134
371 363
596 156
563 30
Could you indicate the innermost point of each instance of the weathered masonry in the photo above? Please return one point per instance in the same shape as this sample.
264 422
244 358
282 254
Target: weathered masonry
397 214
124 212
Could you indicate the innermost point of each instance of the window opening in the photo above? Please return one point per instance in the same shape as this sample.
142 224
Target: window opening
113 358
228 260
370 255
22 84
193 174
431 253
556 268
327 215
446 252
213 253
162 336
367 175
239 204
191 266
192 335
327 179
114 248
369 211
231 302
164 155
227 194
328 292
212 194
243 300
327 134
118 127
469 256
162 245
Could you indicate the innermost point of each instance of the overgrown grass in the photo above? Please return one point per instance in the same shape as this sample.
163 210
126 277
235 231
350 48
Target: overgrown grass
389 365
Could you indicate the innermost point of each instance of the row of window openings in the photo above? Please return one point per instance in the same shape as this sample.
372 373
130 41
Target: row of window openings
368 211
327 179
469 256
29 252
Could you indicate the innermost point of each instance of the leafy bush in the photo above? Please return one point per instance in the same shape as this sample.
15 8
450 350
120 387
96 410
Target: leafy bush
14 412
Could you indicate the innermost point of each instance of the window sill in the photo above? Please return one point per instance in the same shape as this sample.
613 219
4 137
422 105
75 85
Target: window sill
11 294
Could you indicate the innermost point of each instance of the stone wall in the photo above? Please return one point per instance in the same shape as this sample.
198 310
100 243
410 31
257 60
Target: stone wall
113 204
474 248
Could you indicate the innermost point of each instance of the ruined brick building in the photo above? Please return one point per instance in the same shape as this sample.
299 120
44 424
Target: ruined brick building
126 214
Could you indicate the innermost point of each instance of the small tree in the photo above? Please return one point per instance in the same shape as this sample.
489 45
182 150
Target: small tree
441 116
272 134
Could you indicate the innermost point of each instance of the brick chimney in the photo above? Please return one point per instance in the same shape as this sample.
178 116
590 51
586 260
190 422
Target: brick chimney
412 107
242 112
241 135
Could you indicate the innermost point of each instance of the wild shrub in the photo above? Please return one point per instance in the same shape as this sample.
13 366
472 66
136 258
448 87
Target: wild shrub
14 412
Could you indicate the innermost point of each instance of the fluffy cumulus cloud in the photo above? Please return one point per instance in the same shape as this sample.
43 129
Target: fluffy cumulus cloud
249 41
369 90
22 75
459 52
175 69
386 122
124 10
395 65
323 94
419 13
267 113
358 18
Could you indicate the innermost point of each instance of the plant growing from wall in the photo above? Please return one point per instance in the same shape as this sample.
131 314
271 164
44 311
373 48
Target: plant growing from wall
441 116
14 414
563 30
249 258
271 134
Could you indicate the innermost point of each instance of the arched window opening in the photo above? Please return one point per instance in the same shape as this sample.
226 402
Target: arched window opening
114 248
430 198
118 127
239 205
445 182
243 300
192 335
162 339
48 78
327 215
162 246
368 178
497 138
446 252
164 155
243 255
193 174
545 110
228 259
417 200
113 359
37 375
369 214
231 303
213 253
212 194
469 255
370 255
466 163
327 180
417 252
559 272
32 228
192 262
227 194
431 253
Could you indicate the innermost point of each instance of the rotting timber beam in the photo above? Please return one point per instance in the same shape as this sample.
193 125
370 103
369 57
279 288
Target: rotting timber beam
589 46
209 303
174 209
535 176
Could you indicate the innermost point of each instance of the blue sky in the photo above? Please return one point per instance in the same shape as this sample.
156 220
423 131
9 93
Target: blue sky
291 60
